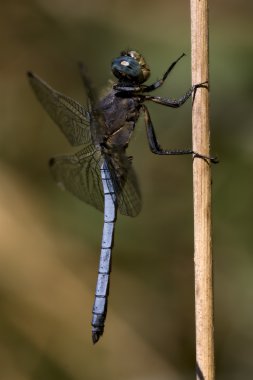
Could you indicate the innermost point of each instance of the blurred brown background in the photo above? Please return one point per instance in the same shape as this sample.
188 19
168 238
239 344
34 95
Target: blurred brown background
49 241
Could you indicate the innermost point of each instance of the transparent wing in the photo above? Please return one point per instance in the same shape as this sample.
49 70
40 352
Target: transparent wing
129 199
69 115
96 116
125 184
80 174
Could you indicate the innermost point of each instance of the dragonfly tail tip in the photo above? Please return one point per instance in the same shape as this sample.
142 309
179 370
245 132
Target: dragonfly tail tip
95 336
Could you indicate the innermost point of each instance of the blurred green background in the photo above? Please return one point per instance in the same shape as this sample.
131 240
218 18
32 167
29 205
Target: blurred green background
50 241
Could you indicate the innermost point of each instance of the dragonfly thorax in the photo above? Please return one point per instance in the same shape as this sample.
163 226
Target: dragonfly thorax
120 116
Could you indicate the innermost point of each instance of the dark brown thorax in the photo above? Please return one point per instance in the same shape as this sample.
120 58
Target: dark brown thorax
120 116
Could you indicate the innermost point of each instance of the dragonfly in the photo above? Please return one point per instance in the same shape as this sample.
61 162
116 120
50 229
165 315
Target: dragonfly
101 174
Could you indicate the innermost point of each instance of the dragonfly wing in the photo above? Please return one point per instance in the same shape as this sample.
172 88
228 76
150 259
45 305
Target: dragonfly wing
129 199
69 115
80 174
125 184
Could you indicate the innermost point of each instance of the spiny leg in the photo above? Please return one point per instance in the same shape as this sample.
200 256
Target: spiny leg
175 103
160 82
155 147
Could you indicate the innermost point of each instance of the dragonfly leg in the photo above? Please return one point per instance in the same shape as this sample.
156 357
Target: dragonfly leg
160 82
155 147
175 103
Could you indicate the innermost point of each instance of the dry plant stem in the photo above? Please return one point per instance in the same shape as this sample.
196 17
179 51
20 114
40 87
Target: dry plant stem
202 196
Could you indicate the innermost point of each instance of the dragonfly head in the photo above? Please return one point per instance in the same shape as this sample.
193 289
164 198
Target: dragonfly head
130 67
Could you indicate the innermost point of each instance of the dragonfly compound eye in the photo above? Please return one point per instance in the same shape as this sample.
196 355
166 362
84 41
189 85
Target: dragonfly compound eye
130 67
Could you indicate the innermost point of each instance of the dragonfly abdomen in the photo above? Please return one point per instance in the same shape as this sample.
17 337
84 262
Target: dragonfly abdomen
103 281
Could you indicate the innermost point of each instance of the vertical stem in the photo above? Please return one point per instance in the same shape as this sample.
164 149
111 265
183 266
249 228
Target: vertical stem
202 196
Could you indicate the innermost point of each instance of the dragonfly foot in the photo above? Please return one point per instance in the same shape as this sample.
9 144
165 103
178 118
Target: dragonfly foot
214 160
